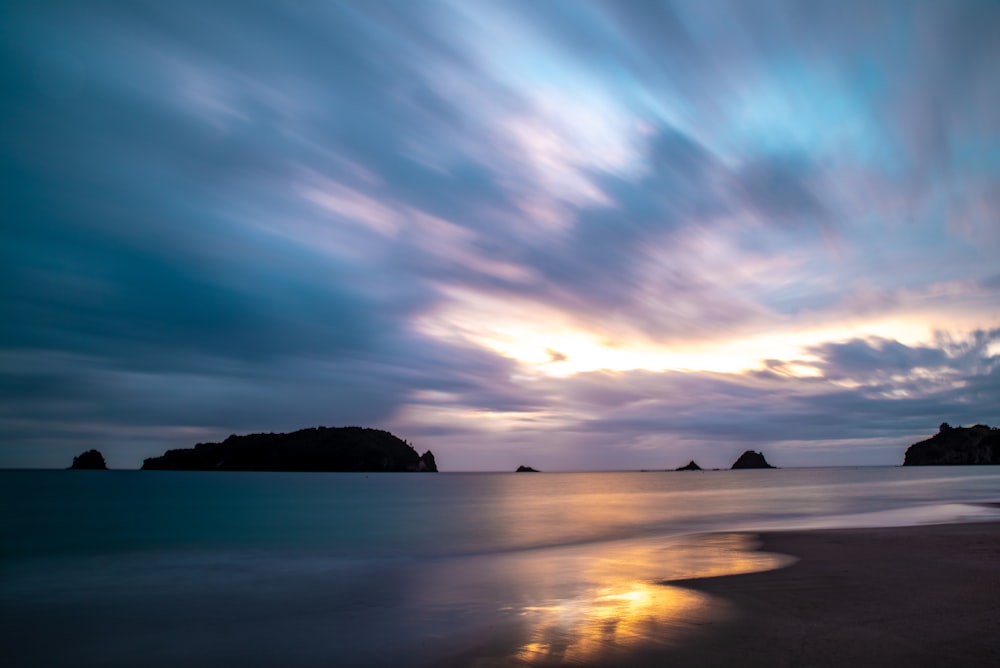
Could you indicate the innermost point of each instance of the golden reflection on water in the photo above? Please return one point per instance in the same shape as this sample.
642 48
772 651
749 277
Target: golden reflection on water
624 604
584 629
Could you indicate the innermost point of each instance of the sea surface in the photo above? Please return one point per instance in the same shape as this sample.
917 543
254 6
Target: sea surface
161 568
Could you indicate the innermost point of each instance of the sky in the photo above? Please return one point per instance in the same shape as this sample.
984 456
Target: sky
571 235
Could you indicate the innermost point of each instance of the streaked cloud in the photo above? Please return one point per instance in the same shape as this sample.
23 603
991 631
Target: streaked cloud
588 234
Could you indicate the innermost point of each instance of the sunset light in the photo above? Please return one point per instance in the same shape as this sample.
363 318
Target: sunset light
587 232
499 333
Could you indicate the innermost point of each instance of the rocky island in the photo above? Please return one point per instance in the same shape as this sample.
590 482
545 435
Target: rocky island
90 460
690 466
525 469
752 460
979 444
348 449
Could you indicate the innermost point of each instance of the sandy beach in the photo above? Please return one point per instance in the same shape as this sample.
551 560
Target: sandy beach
911 596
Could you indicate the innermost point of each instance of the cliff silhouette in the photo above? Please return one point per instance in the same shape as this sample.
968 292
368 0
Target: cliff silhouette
354 449
979 444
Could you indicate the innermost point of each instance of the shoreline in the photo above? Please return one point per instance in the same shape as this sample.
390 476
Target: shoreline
901 596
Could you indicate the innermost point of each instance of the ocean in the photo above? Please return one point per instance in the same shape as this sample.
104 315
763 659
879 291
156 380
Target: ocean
160 568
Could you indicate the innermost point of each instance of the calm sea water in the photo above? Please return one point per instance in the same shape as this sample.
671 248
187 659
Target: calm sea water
135 568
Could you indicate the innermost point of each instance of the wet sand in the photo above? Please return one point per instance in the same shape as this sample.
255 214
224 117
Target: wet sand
911 596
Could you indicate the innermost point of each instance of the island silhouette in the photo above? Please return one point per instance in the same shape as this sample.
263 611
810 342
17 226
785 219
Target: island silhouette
979 444
363 449
751 460
328 449
89 460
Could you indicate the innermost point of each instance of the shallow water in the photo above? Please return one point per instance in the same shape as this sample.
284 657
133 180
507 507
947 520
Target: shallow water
127 568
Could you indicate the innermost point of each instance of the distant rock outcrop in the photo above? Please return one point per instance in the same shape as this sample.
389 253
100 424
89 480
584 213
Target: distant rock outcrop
752 460
979 444
317 449
526 469
427 463
690 466
91 459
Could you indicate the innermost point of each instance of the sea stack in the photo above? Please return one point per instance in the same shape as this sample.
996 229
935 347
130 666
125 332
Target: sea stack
90 460
979 444
752 460
690 466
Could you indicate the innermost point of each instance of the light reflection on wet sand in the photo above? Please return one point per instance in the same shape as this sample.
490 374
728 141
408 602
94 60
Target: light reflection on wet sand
613 620
594 604
603 604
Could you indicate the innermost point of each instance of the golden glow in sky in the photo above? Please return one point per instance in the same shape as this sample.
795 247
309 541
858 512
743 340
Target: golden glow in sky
547 341
464 216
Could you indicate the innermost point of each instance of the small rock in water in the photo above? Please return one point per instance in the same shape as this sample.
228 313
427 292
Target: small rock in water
91 459
752 460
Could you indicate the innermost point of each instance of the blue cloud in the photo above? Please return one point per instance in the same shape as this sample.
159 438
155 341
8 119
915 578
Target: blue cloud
283 195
